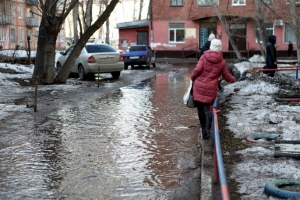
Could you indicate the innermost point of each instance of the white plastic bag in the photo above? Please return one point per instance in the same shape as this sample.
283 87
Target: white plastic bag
187 93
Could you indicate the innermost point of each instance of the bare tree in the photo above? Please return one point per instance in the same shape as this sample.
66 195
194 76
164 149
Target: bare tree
134 10
141 8
259 25
50 26
75 20
66 68
224 23
295 24
107 25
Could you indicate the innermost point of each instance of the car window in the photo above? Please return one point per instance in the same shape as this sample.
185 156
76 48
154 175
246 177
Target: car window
137 48
99 48
68 52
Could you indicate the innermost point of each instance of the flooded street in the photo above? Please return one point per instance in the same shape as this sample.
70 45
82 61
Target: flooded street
137 142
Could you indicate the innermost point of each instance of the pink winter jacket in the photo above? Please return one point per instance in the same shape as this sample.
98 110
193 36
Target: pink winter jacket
205 76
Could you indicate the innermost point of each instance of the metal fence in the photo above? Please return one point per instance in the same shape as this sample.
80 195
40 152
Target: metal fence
219 171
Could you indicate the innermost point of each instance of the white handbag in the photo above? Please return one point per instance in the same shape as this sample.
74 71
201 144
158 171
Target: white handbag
188 98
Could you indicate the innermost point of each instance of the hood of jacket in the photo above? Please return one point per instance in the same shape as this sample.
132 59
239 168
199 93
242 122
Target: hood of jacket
213 56
272 39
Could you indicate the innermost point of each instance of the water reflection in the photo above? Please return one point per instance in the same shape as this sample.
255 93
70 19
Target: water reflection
125 145
29 162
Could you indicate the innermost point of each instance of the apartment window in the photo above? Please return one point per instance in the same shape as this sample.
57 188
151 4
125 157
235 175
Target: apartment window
12 10
268 1
176 33
176 2
12 35
20 12
238 2
1 8
21 35
289 34
2 34
207 2
296 1
269 29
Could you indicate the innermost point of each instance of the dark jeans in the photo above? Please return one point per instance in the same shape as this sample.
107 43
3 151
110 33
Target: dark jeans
203 108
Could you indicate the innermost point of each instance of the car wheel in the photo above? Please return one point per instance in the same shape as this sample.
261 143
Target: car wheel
115 74
148 65
125 66
81 72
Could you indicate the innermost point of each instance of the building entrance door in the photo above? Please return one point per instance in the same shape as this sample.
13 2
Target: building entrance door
239 36
142 38
205 30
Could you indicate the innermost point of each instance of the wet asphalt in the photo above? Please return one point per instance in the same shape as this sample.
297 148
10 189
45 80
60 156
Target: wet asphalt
131 138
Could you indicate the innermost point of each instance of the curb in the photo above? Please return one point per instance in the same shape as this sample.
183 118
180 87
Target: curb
209 190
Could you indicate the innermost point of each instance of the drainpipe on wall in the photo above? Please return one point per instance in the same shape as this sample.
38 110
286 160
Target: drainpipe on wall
151 29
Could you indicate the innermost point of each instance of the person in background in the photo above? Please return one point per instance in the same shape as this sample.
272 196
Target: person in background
271 58
206 45
290 49
205 78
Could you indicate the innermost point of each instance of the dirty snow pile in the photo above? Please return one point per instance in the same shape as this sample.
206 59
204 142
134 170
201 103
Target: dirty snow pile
253 109
20 71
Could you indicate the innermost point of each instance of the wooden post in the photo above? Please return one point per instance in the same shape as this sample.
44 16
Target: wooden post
98 76
35 96
29 50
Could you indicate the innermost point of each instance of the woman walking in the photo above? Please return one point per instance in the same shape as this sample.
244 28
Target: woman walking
271 58
205 76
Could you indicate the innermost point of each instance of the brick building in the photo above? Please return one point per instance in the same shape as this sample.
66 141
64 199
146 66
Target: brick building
18 20
178 28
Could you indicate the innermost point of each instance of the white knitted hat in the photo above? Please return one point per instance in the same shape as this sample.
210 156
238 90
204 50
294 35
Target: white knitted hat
216 45
211 37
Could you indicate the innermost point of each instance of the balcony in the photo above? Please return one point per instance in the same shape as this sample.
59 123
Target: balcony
32 2
6 19
32 22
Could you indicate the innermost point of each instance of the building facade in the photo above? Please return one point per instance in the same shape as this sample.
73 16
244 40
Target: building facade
125 11
19 21
179 27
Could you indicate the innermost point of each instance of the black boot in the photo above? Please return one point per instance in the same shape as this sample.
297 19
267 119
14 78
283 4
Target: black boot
206 132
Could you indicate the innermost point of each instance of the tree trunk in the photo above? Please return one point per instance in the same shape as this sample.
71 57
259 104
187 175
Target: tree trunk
262 28
141 8
89 14
261 47
295 26
107 27
228 33
45 57
39 58
66 68
75 20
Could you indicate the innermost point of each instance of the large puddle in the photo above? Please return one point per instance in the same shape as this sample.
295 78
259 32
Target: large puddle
132 144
